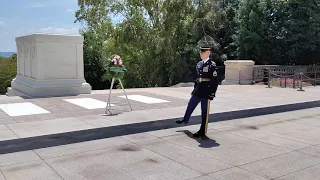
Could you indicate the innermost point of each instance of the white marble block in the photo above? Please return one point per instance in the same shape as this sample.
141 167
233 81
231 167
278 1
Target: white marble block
238 72
49 65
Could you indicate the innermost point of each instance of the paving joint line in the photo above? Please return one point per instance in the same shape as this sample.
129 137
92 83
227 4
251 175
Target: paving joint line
198 152
283 154
279 122
47 164
85 122
169 159
3 174
13 132
296 171
53 169
243 170
1 166
270 143
87 151
303 124
278 136
262 132
96 133
205 175
309 145
122 137
316 156
239 166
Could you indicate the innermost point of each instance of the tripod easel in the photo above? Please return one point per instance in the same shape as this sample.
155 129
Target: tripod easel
109 98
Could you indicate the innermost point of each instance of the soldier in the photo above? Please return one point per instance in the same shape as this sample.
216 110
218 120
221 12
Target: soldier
205 87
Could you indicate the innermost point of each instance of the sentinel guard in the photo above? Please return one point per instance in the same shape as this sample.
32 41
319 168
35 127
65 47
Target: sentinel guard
205 87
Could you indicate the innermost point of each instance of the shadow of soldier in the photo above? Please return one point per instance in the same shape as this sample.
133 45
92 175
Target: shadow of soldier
205 142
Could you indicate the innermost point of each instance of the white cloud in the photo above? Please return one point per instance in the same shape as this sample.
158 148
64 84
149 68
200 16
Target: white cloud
56 30
2 23
52 3
70 10
37 5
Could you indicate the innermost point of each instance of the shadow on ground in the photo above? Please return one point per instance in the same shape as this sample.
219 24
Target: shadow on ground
206 142
44 141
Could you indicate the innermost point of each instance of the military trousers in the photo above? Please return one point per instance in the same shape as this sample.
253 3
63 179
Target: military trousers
205 108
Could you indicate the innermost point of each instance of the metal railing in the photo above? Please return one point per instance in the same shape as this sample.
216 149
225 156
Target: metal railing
260 71
290 76
275 76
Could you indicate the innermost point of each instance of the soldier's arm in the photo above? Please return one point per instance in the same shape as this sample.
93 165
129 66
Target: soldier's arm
214 81
197 70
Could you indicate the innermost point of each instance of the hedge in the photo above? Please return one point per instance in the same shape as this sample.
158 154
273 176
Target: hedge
8 71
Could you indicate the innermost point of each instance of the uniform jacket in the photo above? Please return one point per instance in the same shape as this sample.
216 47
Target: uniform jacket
206 89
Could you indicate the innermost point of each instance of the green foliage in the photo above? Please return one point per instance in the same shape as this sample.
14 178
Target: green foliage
303 31
94 68
8 71
279 32
250 35
157 39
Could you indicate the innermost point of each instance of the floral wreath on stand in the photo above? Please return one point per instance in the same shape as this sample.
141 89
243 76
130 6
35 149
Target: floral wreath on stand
116 67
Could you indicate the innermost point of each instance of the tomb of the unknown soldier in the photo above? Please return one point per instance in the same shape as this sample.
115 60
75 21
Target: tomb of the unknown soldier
49 65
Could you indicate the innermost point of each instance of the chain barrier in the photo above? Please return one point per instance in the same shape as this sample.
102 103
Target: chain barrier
308 79
274 76
299 80
283 76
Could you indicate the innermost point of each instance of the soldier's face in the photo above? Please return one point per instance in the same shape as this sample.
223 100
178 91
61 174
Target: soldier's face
204 54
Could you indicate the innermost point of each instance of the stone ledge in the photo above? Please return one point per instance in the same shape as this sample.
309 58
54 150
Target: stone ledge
239 62
51 38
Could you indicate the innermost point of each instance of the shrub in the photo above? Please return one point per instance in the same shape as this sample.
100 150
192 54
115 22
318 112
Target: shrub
8 71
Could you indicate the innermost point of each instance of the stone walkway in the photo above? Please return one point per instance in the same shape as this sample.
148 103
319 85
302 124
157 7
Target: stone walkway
254 134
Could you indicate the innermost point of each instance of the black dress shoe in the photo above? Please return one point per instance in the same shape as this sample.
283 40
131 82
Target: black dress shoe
204 137
181 121
199 135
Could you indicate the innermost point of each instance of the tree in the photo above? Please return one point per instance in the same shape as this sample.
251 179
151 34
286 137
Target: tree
302 31
150 38
279 32
251 33
8 71
94 67
157 39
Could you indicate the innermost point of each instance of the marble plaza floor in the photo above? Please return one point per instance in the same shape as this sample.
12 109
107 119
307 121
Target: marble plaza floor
256 133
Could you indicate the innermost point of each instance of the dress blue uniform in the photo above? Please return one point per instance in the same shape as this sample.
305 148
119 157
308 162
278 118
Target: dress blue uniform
205 88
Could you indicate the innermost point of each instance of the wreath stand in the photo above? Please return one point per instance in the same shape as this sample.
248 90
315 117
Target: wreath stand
109 98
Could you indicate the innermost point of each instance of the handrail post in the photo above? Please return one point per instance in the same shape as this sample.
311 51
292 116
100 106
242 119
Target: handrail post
315 77
285 80
280 82
301 82
239 77
253 82
269 77
294 81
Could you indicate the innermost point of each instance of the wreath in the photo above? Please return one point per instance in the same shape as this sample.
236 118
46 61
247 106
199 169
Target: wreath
116 67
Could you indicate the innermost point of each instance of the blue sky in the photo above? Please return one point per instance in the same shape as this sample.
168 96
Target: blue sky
21 17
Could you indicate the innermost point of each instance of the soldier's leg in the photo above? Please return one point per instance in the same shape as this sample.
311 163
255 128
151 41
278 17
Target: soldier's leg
205 108
192 104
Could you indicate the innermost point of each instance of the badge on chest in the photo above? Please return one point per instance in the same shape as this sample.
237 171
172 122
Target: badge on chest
205 69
